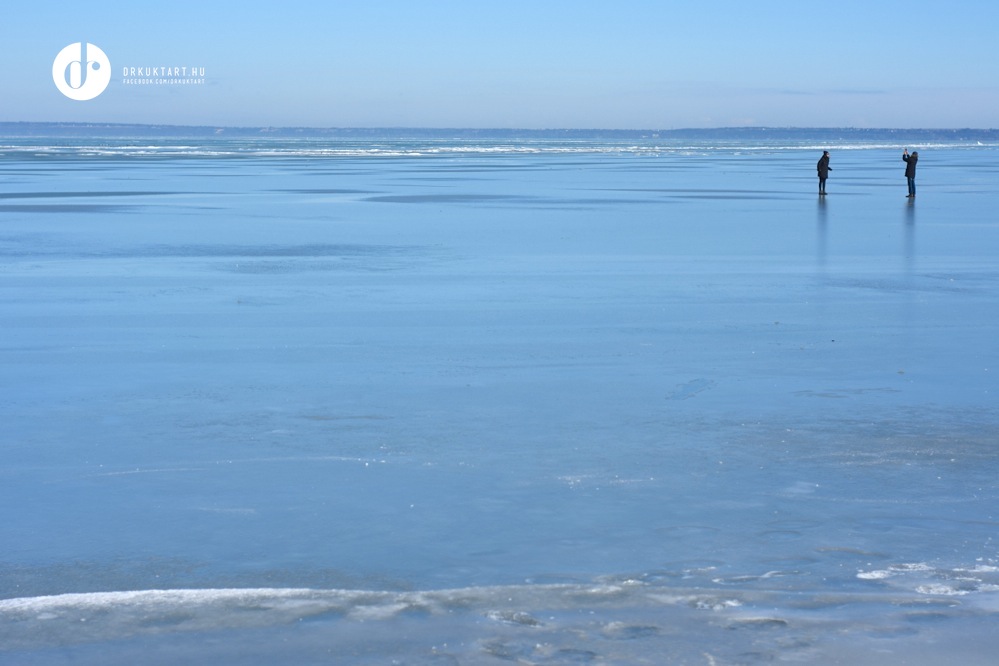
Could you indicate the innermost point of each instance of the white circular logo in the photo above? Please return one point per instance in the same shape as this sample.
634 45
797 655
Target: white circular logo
81 71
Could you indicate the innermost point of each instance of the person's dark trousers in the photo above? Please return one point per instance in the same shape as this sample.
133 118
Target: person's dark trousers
912 186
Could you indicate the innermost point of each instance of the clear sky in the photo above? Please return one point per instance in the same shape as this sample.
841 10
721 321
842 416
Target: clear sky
628 64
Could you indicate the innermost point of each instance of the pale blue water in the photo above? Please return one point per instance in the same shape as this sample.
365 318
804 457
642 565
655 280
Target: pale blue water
480 400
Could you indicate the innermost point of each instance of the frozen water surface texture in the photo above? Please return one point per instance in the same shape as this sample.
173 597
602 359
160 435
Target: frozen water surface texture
497 400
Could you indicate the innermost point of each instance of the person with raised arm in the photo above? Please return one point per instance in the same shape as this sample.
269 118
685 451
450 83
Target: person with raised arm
910 171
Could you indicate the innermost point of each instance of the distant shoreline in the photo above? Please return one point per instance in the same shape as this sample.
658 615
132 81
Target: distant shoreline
79 129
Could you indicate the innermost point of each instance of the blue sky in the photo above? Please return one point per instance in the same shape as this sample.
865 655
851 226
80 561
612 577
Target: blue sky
510 63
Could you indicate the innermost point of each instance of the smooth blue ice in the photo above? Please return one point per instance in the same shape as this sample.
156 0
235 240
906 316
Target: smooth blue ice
480 401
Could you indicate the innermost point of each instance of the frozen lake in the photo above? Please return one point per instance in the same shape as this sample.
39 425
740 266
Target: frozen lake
442 402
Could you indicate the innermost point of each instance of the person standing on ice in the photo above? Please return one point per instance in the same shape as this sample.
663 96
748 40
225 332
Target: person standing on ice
824 169
910 171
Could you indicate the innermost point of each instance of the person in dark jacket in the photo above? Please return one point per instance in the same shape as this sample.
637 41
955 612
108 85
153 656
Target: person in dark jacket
910 170
824 169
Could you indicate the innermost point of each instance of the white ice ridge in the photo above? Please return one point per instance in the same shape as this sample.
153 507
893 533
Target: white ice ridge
142 610
404 149
92 600
31 621
345 600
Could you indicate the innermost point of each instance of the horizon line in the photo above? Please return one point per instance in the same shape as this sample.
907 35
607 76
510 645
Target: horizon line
488 129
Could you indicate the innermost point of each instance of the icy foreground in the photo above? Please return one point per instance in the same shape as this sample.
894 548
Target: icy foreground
459 403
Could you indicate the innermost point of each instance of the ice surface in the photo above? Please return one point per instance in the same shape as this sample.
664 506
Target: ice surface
482 406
